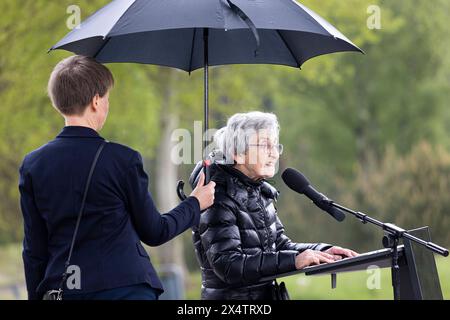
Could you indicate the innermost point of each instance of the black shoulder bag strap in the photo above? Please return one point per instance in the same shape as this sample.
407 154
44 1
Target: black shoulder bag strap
80 213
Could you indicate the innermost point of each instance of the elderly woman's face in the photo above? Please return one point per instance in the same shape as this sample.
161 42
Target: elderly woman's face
261 158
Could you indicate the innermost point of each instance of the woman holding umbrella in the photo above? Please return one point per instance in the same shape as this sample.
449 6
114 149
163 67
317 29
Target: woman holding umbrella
85 202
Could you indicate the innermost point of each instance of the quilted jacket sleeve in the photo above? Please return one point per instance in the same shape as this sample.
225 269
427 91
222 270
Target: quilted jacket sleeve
220 237
284 243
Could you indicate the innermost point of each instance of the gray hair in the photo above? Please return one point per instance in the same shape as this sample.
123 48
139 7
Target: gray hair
234 138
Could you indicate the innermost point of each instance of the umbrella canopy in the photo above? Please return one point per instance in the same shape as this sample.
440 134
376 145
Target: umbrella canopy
171 33
193 34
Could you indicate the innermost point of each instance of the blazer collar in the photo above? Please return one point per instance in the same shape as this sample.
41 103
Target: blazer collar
79 132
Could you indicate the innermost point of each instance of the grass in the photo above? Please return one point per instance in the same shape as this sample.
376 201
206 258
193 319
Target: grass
351 286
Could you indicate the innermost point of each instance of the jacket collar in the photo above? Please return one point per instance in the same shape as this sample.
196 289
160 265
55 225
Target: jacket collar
266 188
241 176
79 132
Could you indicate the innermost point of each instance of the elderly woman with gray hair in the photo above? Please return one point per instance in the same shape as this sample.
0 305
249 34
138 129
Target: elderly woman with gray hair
240 239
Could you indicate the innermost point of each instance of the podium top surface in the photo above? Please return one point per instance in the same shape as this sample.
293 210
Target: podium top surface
380 258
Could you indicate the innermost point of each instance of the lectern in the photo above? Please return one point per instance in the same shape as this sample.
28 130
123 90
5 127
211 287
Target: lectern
419 279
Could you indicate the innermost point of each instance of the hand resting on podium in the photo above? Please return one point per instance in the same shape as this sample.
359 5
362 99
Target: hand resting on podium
312 257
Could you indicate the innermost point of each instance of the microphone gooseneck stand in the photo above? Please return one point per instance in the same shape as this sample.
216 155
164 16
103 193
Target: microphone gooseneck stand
390 240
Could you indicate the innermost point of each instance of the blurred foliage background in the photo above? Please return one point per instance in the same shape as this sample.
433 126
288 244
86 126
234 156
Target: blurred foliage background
371 131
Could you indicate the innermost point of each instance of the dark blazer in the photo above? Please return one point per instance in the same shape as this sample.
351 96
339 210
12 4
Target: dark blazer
119 214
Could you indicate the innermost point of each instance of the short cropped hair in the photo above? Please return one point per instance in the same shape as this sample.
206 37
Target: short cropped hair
234 138
75 81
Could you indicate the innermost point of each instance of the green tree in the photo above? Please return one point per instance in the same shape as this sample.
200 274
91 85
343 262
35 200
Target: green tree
28 29
410 190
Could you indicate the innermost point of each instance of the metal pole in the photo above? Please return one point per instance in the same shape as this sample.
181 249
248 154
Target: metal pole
395 270
393 229
206 94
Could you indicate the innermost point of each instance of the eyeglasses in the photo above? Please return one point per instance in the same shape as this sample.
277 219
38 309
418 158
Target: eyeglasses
269 147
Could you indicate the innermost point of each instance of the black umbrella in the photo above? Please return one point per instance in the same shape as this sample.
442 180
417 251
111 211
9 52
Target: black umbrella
193 34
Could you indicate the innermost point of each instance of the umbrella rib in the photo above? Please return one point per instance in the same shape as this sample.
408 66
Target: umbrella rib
112 27
287 46
192 50
101 47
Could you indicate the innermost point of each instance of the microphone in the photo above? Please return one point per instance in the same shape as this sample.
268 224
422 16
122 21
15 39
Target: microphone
299 183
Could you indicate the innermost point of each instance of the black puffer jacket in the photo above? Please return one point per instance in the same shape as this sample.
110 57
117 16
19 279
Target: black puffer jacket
240 239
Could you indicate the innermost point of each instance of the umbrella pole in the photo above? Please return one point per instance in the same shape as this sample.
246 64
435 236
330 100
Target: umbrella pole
206 92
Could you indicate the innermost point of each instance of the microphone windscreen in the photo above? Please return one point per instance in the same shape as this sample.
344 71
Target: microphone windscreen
295 180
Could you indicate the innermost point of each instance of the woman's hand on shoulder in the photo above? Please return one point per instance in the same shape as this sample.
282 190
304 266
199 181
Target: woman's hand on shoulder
204 193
